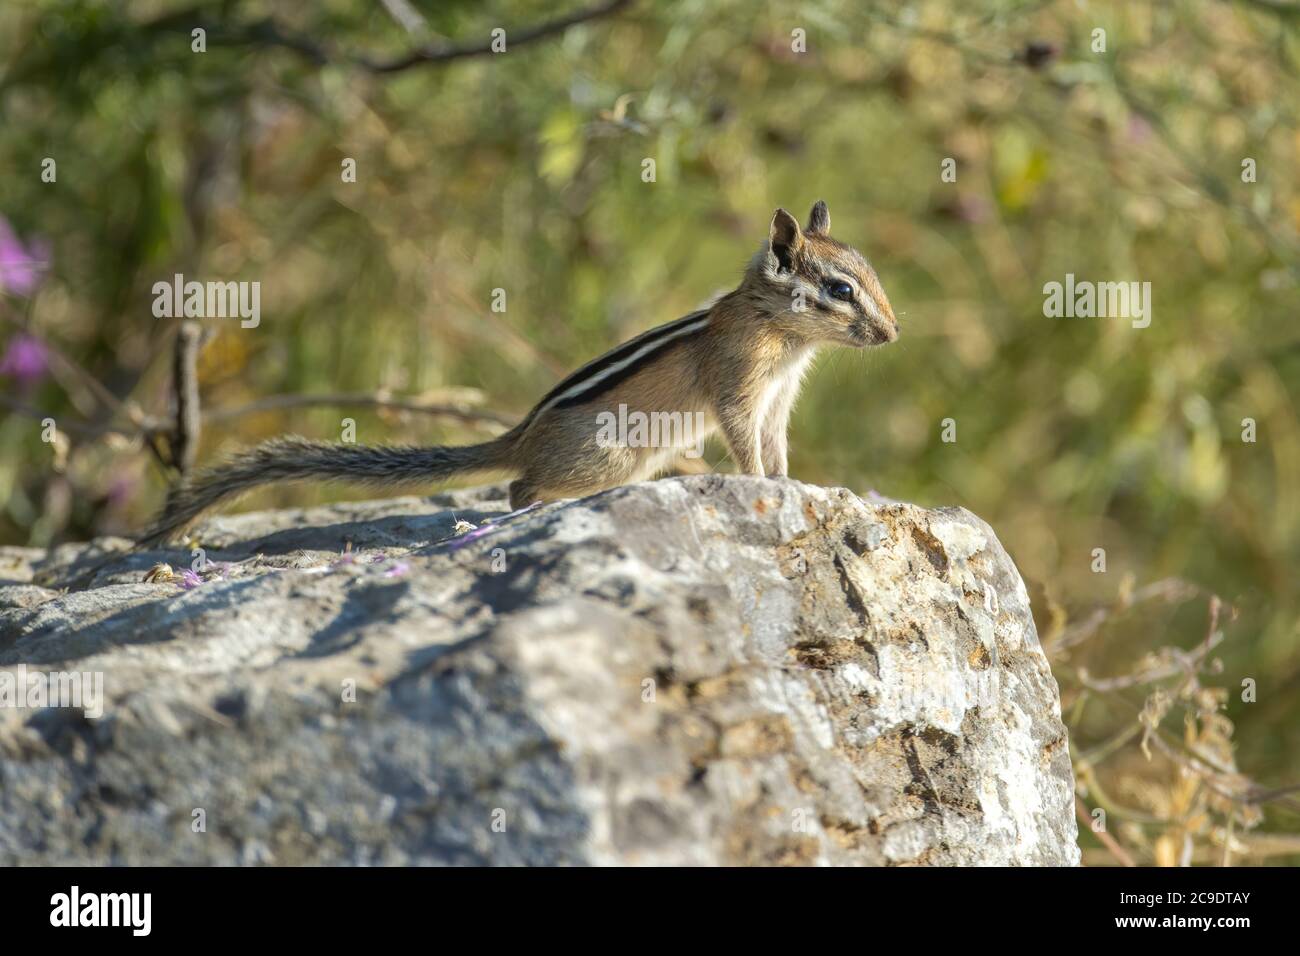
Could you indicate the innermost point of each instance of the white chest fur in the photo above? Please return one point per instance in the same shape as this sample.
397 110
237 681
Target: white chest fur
784 387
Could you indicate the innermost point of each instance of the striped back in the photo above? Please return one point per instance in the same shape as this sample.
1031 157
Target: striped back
604 373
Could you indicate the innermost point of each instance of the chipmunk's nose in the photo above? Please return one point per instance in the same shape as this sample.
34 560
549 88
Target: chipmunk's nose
890 322
886 323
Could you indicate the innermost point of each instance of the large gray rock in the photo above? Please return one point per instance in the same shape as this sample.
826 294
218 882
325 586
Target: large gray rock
705 670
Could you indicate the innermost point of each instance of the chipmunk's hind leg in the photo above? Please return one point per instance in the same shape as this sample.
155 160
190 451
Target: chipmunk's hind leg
553 480
528 491
585 466
523 493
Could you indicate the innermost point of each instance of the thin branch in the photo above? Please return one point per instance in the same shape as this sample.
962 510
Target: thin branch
443 53
148 430
1111 844
185 387
1176 661
406 16
1170 590
1103 751
61 422
269 33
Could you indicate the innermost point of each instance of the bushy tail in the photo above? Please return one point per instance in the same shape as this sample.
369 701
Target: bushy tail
296 459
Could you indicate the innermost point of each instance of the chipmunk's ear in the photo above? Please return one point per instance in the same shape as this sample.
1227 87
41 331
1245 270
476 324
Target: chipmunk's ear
785 238
819 220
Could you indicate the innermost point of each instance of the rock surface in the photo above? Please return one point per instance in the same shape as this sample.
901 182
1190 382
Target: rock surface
703 670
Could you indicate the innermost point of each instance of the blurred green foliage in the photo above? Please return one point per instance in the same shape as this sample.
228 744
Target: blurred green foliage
522 171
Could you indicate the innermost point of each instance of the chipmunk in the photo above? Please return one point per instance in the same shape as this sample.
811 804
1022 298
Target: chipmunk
738 363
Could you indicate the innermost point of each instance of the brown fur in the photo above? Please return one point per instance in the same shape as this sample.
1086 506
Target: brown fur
742 370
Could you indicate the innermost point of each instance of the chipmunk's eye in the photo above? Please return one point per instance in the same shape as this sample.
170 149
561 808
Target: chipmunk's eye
840 290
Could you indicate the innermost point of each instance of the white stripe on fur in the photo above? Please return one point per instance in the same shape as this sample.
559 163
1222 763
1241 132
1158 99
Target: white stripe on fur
671 334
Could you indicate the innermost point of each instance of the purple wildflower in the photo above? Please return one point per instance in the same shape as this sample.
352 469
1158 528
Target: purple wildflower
398 569
22 268
1139 130
467 537
26 359
189 580
492 524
